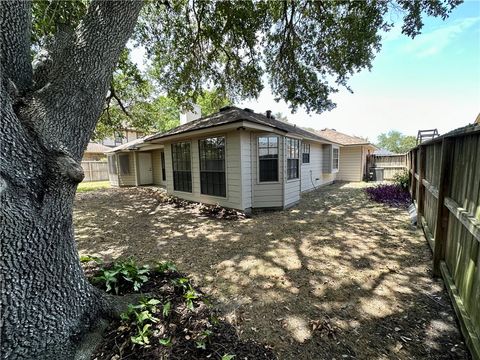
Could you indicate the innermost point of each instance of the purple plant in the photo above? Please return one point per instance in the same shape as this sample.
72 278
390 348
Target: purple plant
393 195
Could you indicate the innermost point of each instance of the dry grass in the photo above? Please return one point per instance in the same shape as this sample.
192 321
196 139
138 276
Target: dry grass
337 276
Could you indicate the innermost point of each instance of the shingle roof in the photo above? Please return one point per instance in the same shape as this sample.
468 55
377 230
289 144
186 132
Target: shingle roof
97 148
341 138
232 114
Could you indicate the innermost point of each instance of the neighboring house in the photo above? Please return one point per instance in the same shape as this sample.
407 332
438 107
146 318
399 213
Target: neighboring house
122 137
353 154
235 158
95 152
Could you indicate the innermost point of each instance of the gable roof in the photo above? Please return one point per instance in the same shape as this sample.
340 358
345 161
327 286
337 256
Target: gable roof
341 138
232 114
94 148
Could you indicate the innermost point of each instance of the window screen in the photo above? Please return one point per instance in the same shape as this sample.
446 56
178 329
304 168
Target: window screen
182 174
268 158
335 159
212 166
162 160
124 164
306 153
293 149
112 164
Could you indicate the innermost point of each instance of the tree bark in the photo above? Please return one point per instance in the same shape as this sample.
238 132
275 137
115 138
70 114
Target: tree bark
46 123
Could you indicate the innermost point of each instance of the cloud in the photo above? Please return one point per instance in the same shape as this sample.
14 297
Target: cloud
432 43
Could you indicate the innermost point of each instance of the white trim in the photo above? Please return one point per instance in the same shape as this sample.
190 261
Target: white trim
278 157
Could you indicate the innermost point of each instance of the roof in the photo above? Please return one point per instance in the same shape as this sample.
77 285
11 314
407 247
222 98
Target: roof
232 114
341 138
97 148
226 115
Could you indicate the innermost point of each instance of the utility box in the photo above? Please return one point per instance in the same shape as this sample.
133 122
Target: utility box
376 174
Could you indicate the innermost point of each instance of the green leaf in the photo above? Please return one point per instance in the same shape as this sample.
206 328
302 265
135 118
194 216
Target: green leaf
228 357
166 309
166 341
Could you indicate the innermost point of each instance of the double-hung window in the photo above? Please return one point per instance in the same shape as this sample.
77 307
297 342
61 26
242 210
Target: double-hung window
182 167
305 153
268 158
335 159
293 150
212 166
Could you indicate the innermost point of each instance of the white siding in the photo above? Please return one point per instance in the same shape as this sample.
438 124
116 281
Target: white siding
292 187
233 173
246 166
157 167
350 164
266 194
312 173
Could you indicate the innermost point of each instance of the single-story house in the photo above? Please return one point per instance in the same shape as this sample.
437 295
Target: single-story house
353 154
235 158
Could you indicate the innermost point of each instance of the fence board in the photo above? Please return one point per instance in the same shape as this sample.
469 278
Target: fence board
95 170
445 177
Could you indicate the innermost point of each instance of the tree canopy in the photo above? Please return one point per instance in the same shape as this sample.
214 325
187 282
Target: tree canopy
396 142
306 50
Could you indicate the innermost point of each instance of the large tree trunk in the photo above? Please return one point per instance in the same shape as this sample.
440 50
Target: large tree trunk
47 117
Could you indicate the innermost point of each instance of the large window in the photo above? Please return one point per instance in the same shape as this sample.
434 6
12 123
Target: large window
182 172
124 164
212 166
268 158
335 160
305 153
293 149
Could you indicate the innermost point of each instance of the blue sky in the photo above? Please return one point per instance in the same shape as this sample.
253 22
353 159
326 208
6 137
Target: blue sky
432 81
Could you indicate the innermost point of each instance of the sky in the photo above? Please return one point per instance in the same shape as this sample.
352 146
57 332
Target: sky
432 81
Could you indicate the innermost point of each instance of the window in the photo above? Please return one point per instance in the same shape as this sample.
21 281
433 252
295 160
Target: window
182 173
112 164
212 166
305 153
335 159
124 164
162 160
118 138
293 148
268 158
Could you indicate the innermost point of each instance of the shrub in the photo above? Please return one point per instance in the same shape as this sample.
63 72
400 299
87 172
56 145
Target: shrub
122 275
402 179
393 195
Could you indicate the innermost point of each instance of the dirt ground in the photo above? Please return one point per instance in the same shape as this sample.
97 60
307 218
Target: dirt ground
336 277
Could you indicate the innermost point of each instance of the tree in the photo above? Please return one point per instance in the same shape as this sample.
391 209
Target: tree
281 117
49 112
396 142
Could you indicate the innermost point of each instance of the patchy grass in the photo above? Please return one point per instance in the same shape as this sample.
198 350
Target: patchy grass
92 186
338 276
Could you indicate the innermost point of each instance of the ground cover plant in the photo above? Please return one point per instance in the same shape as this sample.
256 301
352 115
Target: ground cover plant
389 194
171 318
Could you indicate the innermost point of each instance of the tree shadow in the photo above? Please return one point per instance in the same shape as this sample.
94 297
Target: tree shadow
337 276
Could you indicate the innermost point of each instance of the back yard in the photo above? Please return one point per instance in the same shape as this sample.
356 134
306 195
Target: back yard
337 276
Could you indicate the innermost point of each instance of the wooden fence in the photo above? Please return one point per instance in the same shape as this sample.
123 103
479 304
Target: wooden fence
391 164
445 187
95 170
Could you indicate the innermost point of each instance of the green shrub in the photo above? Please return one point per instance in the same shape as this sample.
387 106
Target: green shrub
142 315
122 275
402 179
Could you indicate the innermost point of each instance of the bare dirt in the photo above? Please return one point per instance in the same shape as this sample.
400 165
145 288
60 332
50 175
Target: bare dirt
336 277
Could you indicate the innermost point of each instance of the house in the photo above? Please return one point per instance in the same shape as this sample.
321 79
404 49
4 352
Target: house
121 137
353 154
95 152
235 158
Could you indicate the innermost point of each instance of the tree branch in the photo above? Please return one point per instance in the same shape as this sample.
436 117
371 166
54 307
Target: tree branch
15 28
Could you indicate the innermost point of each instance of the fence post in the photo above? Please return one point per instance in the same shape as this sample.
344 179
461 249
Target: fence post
421 176
414 182
441 230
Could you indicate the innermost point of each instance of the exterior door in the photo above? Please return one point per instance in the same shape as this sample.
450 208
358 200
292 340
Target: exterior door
162 158
145 168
